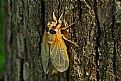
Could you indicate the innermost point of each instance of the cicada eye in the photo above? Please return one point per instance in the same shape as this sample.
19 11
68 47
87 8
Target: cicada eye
52 31
54 27
48 23
47 29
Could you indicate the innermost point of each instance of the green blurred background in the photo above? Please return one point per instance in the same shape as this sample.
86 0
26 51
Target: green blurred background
1 41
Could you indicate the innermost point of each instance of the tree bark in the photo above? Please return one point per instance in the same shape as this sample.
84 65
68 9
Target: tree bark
97 32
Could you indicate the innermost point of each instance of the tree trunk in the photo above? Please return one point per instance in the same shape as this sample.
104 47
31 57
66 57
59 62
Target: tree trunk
97 32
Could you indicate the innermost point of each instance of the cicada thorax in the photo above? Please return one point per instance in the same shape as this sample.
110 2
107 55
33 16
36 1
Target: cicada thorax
53 29
50 36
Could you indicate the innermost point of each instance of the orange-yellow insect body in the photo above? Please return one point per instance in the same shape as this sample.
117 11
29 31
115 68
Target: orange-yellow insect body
53 46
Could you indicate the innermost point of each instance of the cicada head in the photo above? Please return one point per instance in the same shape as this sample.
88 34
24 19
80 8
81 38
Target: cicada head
55 24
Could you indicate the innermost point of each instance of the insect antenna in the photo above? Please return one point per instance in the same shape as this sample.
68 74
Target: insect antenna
54 17
59 21
60 16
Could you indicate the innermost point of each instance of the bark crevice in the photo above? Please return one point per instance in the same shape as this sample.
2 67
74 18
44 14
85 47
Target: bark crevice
97 39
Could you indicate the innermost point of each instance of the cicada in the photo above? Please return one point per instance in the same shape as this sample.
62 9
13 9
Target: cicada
53 47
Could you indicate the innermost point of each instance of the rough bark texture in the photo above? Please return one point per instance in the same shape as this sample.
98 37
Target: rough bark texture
97 32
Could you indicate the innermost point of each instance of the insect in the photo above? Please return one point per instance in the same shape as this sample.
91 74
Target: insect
53 46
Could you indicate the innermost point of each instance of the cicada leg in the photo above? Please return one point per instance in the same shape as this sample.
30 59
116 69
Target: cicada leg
67 26
69 41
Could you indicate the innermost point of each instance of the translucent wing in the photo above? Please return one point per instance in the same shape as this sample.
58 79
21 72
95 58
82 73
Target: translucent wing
45 53
58 55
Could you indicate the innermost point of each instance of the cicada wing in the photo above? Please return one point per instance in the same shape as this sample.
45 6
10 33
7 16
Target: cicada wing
45 53
59 56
